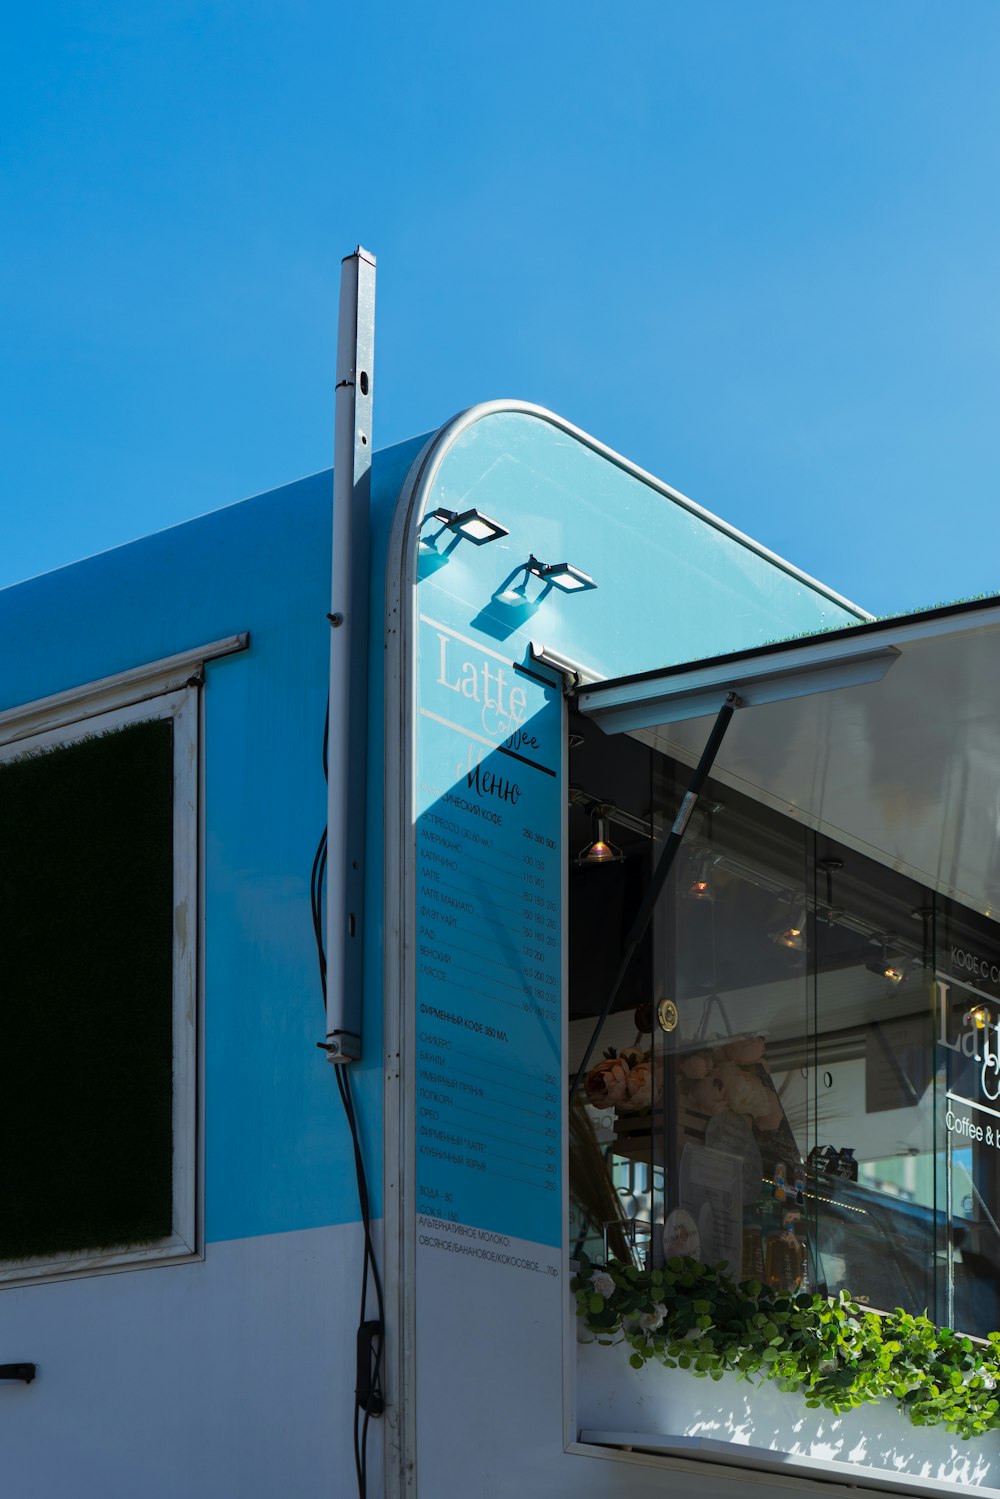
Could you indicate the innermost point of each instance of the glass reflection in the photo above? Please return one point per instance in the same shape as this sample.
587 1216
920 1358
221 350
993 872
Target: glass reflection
822 1110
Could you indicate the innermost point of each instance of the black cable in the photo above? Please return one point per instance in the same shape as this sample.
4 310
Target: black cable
374 1404
316 902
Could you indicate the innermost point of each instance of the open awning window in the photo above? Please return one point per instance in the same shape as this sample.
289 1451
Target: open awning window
885 735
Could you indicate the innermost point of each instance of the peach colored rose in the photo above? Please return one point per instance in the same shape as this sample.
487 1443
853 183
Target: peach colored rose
640 1088
748 1049
709 1094
607 1083
632 1056
747 1095
772 1119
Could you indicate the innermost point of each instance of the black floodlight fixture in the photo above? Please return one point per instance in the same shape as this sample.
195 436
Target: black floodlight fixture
600 851
561 574
472 524
793 937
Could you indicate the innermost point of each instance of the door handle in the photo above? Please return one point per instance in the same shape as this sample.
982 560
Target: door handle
26 1372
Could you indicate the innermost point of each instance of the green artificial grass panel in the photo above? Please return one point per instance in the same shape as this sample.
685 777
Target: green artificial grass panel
86 1006
847 624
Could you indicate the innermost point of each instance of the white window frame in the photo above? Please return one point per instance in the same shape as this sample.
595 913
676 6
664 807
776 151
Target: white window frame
164 690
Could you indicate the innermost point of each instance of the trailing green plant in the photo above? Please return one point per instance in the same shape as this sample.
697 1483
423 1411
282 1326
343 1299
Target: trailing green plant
827 1348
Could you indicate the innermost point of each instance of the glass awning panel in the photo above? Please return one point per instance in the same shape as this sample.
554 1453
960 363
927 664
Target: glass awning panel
885 735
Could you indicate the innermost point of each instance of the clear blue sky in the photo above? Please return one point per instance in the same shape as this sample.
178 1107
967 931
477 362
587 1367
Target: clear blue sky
752 244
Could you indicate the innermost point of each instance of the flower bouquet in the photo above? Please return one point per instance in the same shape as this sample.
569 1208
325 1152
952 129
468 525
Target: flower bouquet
625 1081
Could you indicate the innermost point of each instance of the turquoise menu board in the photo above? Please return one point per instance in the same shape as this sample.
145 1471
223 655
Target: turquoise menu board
488 935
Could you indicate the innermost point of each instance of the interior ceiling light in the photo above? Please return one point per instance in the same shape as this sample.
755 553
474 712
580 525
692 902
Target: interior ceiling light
562 574
472 524
890 965
600 851
979 1017
701 887
793 937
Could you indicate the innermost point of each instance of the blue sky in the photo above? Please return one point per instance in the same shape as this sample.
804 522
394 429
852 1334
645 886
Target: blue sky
752 244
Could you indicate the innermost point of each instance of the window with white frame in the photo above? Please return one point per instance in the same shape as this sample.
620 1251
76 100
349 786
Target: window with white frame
98 981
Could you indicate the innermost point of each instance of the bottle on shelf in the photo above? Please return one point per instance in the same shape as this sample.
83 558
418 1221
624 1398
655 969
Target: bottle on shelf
784 1263
753 1253
780 1181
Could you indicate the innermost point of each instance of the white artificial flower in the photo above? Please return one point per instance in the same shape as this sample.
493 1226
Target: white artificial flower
653 1321
602 1283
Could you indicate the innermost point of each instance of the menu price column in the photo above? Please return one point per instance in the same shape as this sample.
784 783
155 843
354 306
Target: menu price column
488 947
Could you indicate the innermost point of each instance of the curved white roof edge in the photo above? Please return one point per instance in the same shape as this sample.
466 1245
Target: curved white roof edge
430 459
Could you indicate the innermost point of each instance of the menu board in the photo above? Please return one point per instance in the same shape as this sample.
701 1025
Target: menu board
488 939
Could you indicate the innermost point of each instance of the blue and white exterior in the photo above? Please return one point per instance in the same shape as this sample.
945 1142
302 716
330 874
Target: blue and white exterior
228 1370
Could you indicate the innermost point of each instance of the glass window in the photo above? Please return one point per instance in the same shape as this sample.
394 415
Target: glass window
822 1110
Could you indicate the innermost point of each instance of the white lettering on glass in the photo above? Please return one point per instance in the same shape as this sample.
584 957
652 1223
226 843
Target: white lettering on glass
502 702
978 1041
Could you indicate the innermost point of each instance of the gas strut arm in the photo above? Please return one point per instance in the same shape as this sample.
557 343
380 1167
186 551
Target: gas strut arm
673 843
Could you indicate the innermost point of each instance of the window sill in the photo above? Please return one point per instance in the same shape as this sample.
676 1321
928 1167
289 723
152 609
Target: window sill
666 1412
171 1251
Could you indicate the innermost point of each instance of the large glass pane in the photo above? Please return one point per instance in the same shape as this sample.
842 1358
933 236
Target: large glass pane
873 1165
610 1160
730 952
800 1077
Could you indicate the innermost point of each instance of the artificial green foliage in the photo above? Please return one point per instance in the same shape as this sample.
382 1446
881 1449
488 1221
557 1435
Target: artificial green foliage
86 1017
829 1349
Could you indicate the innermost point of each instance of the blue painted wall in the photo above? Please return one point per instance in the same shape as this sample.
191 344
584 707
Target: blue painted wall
277 1152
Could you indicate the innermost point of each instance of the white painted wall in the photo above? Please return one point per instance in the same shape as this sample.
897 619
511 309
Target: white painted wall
231 1378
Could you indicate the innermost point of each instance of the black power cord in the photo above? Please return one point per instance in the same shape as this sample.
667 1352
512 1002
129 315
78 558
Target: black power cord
369 1399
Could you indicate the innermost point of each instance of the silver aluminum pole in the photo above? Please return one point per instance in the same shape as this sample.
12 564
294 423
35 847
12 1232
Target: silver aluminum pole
348 734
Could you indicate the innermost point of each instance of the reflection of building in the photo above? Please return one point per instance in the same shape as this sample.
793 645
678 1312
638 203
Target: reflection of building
832 816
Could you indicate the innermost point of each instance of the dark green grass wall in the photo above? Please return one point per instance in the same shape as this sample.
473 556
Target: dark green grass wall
86 915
